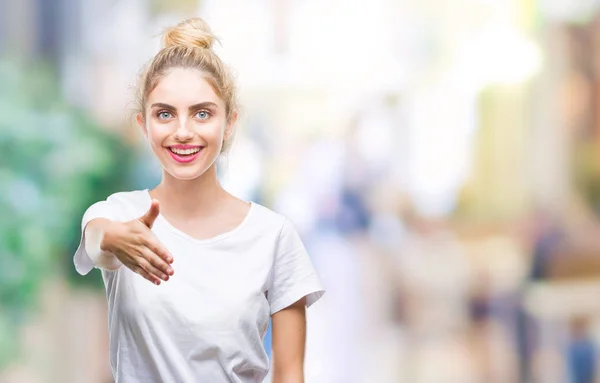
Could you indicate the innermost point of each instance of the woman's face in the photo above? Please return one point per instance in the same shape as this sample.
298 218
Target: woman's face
185 123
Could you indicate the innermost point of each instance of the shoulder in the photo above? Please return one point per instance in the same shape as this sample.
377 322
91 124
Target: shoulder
128 197
127 202
270 220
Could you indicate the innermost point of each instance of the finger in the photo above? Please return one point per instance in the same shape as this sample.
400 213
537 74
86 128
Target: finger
158 249
150 216
146 275
153 270
158 262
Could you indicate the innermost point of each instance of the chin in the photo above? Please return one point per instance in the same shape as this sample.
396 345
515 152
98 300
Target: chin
186 174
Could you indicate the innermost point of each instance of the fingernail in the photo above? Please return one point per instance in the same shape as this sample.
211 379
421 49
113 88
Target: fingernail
157 283
170 271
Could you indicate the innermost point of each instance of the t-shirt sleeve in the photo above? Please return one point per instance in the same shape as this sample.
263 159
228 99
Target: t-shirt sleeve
102 209
293 275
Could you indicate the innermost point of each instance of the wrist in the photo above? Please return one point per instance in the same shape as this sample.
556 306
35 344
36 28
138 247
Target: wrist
106 242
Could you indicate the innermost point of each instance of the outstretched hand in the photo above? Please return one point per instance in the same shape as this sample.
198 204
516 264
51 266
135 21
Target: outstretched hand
137 247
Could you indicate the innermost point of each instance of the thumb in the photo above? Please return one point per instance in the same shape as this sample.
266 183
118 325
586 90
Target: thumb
150 216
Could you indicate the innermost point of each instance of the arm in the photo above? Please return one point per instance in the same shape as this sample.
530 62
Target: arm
108 244
289 340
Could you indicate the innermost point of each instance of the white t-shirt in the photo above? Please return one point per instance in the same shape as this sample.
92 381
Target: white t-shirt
207 323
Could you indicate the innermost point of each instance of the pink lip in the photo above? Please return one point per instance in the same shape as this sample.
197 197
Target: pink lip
184 159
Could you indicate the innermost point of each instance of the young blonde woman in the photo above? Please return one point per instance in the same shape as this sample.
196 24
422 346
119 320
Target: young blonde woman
192 273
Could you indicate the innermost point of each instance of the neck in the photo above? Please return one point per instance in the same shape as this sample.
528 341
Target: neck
183 199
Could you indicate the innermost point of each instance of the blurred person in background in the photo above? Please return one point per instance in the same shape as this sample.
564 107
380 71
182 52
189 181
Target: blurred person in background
238 263
329 216
546 236
581 352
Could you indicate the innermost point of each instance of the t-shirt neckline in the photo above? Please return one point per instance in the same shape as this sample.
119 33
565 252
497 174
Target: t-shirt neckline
188 237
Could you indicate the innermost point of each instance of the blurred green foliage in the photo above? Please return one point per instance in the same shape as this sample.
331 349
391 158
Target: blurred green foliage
54 163
586 171
185 7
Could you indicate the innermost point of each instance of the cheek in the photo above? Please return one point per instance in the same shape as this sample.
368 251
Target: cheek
157 134
212 131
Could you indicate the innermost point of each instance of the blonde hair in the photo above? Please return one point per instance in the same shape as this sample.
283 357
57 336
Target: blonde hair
189 45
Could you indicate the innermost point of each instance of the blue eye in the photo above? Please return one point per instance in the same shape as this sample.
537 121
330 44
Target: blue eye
203 114
164 115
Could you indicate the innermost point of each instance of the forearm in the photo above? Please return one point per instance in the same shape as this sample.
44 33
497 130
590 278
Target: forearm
98 242
289 339
288 376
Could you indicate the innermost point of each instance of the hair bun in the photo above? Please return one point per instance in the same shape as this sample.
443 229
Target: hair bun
193 32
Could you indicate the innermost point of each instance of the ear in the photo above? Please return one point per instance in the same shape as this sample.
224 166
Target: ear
142 123
230 126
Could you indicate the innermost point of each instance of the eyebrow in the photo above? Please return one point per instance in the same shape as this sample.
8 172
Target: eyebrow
206 104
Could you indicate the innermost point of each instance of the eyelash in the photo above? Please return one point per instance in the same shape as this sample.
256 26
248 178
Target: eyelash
203 111
158 114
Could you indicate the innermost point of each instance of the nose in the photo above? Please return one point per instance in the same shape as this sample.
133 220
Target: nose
183 133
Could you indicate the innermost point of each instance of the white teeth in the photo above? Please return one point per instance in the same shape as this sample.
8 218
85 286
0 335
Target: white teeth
185 151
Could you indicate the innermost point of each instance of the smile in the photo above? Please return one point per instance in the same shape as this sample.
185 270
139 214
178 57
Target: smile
185 154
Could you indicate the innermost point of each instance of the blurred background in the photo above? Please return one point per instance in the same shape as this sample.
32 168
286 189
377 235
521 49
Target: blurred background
441 160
